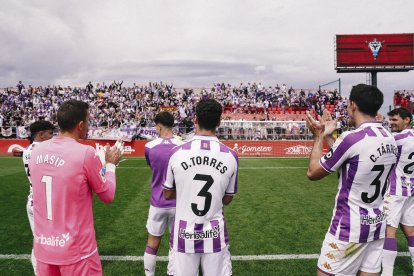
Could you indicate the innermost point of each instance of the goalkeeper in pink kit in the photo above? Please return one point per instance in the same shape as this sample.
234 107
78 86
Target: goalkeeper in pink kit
64 175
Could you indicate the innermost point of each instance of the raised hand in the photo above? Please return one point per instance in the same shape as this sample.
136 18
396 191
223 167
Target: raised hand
328 122
317 128
114 154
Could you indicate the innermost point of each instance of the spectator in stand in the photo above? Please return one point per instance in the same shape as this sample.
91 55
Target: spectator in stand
112 105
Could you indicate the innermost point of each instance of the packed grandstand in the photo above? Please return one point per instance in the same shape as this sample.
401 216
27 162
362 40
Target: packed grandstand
252 111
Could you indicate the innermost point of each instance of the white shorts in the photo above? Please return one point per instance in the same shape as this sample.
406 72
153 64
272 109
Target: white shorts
29 208
212 264
347 258
158 219
399 209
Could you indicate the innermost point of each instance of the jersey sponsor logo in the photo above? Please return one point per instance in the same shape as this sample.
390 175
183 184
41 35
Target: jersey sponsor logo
127 149
368 220
405 183
206 234
56 241
299 149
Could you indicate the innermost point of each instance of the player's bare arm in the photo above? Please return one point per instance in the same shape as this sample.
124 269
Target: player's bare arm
227 199
315 170
169 194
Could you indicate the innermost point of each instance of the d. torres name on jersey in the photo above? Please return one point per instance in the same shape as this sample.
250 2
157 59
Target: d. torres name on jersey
204 161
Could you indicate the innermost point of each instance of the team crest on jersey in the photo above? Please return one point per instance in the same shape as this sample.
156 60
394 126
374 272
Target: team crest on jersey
102 174
375 47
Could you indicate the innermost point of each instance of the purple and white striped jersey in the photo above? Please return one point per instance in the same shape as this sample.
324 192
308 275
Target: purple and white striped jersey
26 158
202 171
402 177
364 158
157 154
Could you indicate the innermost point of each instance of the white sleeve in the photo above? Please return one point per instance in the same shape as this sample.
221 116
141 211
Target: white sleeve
169 183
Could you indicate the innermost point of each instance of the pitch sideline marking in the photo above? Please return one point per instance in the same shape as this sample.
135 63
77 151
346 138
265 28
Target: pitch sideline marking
165 258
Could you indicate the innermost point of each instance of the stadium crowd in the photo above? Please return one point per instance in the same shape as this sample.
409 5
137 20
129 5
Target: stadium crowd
404 98
115 105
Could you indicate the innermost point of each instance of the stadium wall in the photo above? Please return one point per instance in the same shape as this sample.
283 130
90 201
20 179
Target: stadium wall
280 148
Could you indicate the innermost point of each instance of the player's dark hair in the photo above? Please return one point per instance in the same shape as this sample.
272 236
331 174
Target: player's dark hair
208 114
164 118
70 113
368 98
38 126
402 112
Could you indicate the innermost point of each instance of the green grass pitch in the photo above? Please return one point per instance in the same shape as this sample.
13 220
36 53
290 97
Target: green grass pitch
277 211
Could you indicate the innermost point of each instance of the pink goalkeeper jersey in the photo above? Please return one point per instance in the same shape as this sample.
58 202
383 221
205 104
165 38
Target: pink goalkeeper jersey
64 174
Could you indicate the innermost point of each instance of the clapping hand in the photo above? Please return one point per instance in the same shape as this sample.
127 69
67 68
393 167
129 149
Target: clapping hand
317 128
329 123
114 154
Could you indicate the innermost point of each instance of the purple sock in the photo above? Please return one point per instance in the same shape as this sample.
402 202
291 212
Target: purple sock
151 250
410 240
390 244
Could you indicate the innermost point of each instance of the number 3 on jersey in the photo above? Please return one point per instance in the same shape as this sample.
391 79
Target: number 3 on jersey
48 182
203 193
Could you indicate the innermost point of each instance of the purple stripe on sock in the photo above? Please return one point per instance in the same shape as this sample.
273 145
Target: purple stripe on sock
216 241
181 241
205 145
364 232
379 225
151 250
410 240
198 244
390 244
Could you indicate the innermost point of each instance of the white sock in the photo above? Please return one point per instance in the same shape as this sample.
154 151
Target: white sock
170 267
149 264
411 249
33 259
389 253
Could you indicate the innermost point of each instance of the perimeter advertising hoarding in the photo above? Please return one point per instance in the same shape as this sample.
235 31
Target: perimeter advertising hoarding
379 52
281 148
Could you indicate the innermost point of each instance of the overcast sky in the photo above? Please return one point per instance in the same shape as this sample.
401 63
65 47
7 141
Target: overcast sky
191 42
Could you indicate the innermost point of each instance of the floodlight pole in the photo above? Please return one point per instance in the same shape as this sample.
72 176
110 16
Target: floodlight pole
339 84
374 78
